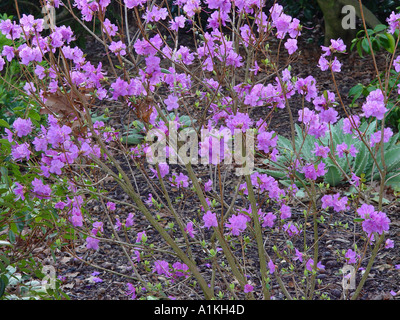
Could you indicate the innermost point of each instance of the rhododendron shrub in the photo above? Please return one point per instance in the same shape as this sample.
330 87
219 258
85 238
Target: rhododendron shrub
199 99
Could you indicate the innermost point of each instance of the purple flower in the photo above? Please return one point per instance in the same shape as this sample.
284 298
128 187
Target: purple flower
141 236
162 268
307 87
310 265
22 127
248 288
189 229
208 185
267 140
97 227
323 63
129 221
118 48
19 191
285 212
291 229
56 166
351 256
237 224
131 289
118 224
92 243
311 172
389 244
111 206
171 102
210 220
268 220
320 151
181 269
181 180
375 105
21 151
271 267
393 22
95 278
396 64
291 45
178 22
349 124
239 121
40 190
298 255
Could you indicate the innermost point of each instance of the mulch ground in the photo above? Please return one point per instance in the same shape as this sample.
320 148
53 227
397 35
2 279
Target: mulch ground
77 276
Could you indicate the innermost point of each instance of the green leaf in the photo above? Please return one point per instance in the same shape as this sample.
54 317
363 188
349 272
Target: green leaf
4 124
133 138
365 45
165 71
333 176
5 243
3 284
379 28
361 160
392 43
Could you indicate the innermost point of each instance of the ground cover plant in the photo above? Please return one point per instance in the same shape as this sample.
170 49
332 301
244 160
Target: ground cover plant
199 195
